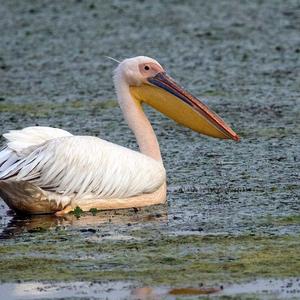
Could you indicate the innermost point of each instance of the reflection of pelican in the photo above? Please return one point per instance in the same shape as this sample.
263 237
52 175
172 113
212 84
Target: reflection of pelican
86 222
47 170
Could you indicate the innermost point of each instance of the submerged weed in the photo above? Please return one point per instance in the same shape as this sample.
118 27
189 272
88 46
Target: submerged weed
77 212
93 211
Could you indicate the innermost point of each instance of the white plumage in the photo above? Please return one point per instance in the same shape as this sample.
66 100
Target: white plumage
55 160
19 143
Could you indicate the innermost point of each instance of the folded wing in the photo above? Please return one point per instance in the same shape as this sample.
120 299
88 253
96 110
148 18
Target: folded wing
81 165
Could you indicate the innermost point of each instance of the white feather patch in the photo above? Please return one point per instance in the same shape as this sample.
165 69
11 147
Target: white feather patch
82 165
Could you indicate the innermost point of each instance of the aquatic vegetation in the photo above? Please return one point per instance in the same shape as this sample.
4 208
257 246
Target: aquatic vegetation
77 212
151 260
93 211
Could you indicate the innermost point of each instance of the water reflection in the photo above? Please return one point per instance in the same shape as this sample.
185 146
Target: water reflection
17 224
262 288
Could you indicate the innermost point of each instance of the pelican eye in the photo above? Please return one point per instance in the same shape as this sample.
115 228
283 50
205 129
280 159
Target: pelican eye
147 68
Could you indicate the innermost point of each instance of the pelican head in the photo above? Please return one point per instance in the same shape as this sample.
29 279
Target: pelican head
149 83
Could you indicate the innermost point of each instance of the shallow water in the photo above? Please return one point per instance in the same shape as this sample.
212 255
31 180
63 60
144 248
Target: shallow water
233 212
268 289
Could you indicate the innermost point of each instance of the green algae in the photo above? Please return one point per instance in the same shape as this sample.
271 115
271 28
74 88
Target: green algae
155 262
77 212
287 220
214 93
93 211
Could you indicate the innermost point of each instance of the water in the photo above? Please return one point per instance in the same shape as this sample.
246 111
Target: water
232 216
268 289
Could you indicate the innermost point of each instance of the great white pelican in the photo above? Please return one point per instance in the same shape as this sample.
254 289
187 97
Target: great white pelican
49 170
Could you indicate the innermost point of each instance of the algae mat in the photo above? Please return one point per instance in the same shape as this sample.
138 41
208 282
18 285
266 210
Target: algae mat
233 215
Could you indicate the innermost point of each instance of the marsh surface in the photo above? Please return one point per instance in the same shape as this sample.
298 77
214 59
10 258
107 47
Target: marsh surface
233 212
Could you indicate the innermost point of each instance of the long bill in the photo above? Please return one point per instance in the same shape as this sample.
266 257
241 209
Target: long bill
165 95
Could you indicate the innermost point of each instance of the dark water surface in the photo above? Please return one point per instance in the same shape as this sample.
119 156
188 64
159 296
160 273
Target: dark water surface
231 227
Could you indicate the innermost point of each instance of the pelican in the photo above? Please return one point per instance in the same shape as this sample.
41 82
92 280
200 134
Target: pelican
49 170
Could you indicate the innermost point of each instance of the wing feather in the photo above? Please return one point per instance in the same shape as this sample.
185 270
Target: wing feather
21 143
81 165
18 140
